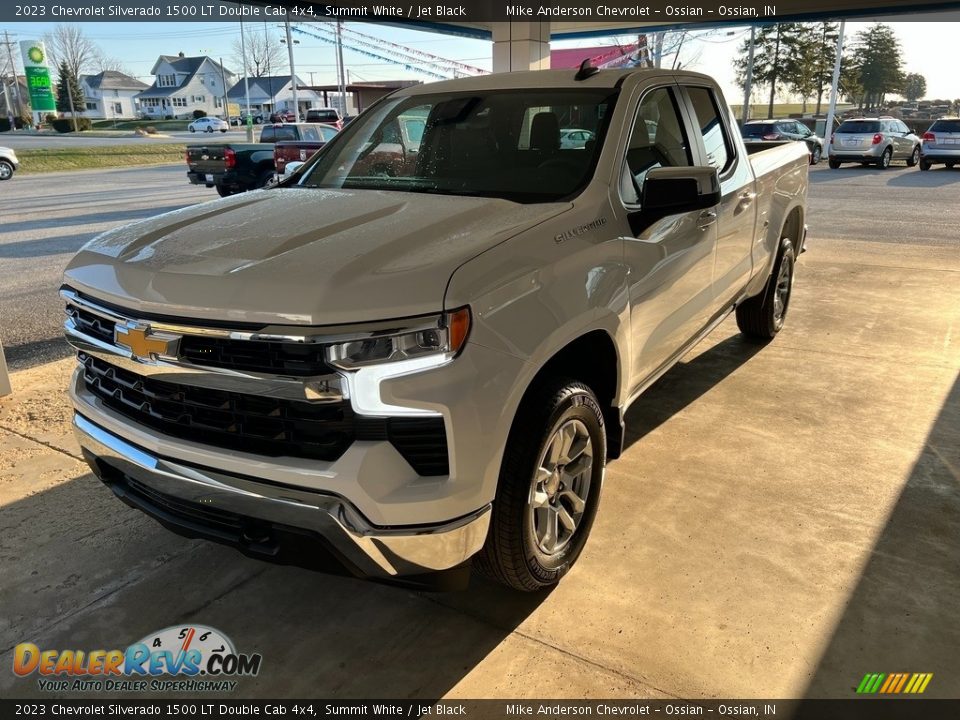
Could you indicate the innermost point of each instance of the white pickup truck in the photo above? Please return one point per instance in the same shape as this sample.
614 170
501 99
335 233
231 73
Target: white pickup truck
411 355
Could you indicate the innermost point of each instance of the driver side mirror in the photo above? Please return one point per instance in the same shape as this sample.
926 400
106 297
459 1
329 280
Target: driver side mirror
675 190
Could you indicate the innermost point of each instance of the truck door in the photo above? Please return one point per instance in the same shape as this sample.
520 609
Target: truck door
736 215
669 259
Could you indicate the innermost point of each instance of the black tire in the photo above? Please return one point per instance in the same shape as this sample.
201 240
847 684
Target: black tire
884 162
834 164
926 164
762 316
816 156
512 555
209 130
193 129
223 130
950 165
914 157
6 170
224 191
264 179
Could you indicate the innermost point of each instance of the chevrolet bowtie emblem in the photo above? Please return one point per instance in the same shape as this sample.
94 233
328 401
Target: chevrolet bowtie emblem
142 343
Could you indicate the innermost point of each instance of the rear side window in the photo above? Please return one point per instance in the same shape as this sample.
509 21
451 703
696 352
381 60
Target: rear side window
946 126
756 130
324 116
860 126
715 140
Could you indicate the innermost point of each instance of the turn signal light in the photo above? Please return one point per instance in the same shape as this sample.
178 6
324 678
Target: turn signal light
458 322
877 139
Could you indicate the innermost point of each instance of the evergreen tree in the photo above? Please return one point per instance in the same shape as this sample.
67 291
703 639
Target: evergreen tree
914 86
774 58
824 58
880 63
66 80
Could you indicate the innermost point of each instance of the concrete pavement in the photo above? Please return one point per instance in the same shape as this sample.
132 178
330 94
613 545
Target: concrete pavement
785 519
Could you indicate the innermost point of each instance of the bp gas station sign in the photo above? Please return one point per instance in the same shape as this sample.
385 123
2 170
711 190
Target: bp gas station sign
38 76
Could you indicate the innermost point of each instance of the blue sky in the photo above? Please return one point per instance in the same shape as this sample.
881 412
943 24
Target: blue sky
137 45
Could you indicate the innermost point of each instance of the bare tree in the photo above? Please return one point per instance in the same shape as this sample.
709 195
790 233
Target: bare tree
68 44
265 54
104 62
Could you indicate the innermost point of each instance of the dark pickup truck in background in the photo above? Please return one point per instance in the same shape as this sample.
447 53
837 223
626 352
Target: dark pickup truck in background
238 167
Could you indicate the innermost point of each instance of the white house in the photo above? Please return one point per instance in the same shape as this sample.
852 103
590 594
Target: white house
184 84
274 92
111 94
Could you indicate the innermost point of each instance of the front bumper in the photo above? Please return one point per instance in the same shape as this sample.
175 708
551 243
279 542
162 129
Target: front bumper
262 519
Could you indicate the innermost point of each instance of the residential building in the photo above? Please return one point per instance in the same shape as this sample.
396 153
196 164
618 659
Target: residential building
185 84
274 92
8 94
111 94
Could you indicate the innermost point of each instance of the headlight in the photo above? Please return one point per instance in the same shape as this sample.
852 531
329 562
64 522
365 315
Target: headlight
439 338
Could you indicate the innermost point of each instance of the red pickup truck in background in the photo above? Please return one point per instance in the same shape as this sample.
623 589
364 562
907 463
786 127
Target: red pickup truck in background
285 151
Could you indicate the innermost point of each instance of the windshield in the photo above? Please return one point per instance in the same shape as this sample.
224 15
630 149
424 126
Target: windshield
497 143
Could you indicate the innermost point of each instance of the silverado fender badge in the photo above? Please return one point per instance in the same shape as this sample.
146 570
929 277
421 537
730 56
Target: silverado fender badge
580 230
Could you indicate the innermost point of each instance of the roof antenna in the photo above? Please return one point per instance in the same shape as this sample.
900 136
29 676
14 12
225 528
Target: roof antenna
586 70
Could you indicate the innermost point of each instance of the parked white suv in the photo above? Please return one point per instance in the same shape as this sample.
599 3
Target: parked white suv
410 356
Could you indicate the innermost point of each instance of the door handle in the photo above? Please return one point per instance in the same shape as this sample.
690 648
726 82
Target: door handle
706 219
747 197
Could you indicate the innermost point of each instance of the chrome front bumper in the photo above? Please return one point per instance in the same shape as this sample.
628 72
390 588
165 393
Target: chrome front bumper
368 550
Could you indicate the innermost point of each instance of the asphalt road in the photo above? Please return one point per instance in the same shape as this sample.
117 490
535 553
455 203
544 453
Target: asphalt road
23 141
46 218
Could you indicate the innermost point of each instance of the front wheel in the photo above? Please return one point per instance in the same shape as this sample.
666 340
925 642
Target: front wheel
762 316
816 155
6 170
192 129
549 487
914 157
224 191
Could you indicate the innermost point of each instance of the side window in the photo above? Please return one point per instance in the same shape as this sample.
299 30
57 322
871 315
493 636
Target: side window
715 140
267 135
657 139
902 127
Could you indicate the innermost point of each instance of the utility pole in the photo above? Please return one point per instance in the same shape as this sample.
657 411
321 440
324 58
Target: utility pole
748 86
73 115
341 76
223 81
293 72
13 69
246 83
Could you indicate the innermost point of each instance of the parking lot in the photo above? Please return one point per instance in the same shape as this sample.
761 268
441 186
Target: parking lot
785 519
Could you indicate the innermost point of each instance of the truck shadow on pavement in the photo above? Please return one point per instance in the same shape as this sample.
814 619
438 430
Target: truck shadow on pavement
81 570
901 617
56 245
115 216
685 383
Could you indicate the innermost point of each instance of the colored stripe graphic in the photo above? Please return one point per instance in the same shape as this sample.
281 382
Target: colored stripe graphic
894 683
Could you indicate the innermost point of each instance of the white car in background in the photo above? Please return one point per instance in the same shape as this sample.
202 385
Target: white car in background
8 163
208 124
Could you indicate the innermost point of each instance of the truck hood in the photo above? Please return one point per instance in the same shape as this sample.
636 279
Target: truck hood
298 255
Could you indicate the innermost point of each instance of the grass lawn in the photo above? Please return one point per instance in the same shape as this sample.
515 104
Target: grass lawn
759 110
91 158
160 125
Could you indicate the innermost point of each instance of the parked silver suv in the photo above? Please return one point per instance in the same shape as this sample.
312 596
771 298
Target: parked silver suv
941 144
874 141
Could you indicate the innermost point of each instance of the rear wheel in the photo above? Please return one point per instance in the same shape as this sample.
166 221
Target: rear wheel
224 191
914 157
834 164
549 487
884 161
6 170
926 165
762 316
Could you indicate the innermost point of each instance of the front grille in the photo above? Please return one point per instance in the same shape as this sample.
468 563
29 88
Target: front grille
262 356
298 359
261 425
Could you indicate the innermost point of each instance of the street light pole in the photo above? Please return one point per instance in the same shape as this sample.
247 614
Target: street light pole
293 72
341 76
246 84
834 89
748 86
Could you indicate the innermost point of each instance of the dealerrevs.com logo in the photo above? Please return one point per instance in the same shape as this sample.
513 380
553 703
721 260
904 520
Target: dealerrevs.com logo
178 658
